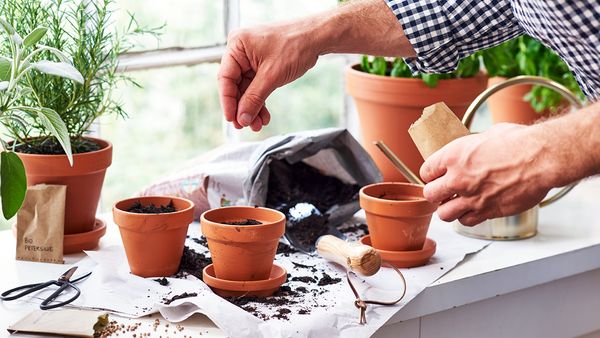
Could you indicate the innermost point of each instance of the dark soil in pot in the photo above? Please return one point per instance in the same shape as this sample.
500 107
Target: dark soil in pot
49 146
243 222
138 208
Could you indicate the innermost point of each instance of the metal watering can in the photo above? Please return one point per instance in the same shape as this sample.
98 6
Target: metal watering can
523 225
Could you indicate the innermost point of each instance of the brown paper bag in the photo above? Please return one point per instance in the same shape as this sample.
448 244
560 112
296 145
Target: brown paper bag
437 127
40 224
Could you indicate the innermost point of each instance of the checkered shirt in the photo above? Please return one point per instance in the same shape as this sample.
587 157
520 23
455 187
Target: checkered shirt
444 31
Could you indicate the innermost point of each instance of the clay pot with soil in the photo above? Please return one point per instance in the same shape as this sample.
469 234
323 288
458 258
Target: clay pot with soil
397 215
83 180
387 106
153 230
242 241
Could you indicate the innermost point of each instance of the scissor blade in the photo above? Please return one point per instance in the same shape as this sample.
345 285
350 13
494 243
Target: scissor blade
67 275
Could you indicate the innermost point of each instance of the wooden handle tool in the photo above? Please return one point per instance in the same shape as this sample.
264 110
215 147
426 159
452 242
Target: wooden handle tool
357 257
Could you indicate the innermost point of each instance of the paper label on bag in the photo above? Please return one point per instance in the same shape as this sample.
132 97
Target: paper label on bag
40 224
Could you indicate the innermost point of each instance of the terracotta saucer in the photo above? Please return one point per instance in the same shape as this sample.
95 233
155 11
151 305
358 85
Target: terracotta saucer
405 259
258 288
75 243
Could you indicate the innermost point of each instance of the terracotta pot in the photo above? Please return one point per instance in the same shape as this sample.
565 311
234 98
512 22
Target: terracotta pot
387 106
509 105
397 215
84 181
154 242
242 252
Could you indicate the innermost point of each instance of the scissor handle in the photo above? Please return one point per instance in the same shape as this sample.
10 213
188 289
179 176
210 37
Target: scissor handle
29 288
55 294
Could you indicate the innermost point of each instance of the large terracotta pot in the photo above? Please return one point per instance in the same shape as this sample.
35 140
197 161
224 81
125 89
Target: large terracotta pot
397 215
387 106
83 180
154 242
508 105
242 252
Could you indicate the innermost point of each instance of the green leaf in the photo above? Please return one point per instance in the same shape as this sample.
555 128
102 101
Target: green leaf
431 80
379 65
365 64
36 35
5 68
60 55
8 28
52 121
3 85
61 69
13 183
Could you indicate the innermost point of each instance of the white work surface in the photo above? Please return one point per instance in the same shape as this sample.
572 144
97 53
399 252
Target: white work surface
546 286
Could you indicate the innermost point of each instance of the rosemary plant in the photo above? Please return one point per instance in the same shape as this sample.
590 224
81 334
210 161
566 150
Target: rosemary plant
82 29
22 62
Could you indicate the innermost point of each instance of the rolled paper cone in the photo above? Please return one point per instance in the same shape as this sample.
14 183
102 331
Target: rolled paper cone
436 127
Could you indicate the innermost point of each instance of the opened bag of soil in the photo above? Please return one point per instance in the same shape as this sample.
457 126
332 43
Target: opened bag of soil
323 168
40 224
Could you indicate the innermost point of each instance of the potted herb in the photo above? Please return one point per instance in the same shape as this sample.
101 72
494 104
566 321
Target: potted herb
525 103
81 29
153 230
389 99
21 63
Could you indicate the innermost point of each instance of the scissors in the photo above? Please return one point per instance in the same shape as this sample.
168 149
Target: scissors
63 282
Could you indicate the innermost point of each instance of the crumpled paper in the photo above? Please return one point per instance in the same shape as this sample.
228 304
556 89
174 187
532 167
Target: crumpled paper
332 313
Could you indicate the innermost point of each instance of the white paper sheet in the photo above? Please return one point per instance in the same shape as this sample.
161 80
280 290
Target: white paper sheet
332 312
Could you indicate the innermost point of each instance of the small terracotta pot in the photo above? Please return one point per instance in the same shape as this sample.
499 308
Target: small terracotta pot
154 242
398 215
509 105
84 181
387 106
242 252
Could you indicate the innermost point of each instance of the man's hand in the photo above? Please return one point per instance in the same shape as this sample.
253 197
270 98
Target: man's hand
257 61
500 172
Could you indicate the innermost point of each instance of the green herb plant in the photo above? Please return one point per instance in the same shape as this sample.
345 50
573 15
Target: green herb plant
526 56
22 62
84 30
378 65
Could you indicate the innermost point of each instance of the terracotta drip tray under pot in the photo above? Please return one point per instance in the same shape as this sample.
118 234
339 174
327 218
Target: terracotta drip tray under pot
405 259
257 288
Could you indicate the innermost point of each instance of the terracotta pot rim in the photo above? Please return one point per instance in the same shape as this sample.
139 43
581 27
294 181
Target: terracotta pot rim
117 209
419 199
353 71
105 144
264 224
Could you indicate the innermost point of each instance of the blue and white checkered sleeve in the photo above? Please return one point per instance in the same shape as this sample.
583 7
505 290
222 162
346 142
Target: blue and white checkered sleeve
444 31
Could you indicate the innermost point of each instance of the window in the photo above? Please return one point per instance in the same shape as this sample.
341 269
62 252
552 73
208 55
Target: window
176 115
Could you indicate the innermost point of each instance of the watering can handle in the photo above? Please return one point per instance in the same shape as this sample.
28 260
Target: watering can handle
534 80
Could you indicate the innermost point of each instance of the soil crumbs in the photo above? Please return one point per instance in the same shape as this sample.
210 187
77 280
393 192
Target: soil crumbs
192 263
168 301
138 208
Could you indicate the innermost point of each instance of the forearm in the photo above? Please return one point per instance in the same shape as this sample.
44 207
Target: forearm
360 26
571 146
